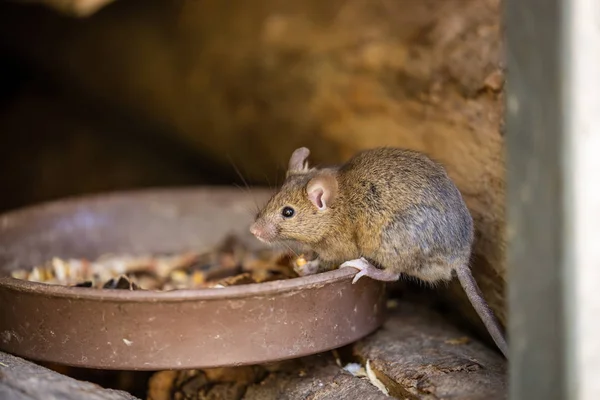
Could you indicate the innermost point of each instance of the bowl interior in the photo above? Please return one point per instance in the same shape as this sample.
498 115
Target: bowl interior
140 222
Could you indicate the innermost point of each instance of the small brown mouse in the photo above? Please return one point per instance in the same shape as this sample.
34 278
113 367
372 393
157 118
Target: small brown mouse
386 212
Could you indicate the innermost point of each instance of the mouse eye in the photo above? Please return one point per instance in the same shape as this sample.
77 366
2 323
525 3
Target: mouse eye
288 212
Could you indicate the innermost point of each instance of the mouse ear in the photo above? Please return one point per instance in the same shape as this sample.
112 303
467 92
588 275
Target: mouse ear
322 190
298 160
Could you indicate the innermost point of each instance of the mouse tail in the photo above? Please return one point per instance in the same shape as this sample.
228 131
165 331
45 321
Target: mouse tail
476 298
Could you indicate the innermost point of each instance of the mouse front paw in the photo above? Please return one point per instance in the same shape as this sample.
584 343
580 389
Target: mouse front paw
307 268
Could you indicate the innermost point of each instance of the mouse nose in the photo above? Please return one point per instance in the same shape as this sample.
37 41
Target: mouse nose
263 231
255 230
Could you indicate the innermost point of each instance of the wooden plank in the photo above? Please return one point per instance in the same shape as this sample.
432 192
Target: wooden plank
419 355
319 379
24 380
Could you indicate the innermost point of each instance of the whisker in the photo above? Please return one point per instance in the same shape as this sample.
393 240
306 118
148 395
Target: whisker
245 183
251 211
282 242
268 182
292 250
237 171
277 182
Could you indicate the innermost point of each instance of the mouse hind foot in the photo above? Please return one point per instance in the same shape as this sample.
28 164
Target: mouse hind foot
365 268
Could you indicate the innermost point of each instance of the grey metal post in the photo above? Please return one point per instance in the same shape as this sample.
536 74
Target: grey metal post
553 161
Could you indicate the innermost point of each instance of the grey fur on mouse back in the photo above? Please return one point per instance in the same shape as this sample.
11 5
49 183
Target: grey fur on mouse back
386 212
410 216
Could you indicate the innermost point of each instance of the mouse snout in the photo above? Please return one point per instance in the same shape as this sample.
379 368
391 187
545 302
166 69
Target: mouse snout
255 229
263 231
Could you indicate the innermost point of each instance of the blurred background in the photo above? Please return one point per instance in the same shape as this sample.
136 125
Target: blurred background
145 93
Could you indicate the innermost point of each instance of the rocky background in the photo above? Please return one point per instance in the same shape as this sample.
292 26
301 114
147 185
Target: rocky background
184 92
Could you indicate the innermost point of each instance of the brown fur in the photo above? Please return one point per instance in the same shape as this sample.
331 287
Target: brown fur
396 208
374 186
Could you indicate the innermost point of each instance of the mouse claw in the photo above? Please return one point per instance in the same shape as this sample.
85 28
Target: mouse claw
361 264
359 275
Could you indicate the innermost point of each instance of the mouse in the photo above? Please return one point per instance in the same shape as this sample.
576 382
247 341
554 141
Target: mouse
386 212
